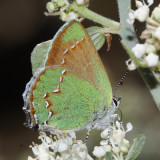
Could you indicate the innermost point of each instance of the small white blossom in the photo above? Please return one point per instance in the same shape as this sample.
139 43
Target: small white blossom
129 127
104 142
139 50
141 14
118 133
150 48
30 158
156 13
104 133
131 65
62 147
68 17
116 150
99 151
107 148
42 152
123 149
125 143
157 33
131 17
152 60
80 2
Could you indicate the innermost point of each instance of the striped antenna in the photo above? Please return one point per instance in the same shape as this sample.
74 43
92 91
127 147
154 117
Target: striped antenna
120 82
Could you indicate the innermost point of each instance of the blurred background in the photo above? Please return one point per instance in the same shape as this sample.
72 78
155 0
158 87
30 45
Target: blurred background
22 26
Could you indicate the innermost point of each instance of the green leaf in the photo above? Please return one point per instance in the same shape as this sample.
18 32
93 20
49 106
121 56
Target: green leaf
108 156
38 55
136 147
97 36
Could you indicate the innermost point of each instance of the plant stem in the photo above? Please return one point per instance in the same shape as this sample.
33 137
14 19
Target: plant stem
86 13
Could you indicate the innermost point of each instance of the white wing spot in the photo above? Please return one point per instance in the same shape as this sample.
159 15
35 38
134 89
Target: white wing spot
82 39
63 61
60 79
66 51
73 46
47 104
45 95
77 42
56 91
33 104
49 116
63 72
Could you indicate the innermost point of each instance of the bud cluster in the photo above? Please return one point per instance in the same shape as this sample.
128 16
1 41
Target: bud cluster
61 7
147 52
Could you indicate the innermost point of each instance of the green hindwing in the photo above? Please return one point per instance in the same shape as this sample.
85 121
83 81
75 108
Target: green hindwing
70 99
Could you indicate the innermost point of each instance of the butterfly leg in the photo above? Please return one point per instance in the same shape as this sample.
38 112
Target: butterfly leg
91 127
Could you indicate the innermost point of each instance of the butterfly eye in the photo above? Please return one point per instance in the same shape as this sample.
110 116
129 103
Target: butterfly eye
116 102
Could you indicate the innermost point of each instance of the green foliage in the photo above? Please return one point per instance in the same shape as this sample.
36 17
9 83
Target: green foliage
108 156
39 54
97 36
136 147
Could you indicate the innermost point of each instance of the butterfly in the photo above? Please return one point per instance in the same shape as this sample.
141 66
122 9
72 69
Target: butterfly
70 89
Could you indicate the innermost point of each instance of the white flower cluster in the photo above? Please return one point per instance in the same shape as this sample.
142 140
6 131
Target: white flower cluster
147 52
113 142
66 147
61 7
141 13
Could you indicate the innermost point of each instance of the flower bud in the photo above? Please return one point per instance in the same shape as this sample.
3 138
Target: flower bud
116 150
63 16
125 143
103 142
62 147
68 17
30 158
152 60
142 13
123 149
50 7
80 2
131 65
156 13
138 50
99 151
107 148
157 33
60 3
118 135
104 133
150 48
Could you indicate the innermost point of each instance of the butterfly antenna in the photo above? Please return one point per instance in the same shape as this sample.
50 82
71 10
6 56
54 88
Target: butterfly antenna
120 83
